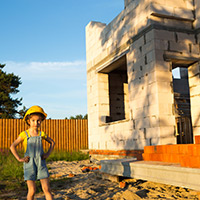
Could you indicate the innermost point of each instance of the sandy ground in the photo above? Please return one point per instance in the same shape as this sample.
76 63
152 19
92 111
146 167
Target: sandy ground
89 185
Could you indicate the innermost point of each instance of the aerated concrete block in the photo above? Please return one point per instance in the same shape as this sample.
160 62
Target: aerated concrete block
194 90
164 35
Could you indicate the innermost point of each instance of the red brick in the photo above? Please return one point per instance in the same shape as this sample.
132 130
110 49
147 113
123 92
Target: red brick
175 158
197 139
194 150
194 161
167 158
172 158
149 149
165 149
122 184
184 161
172 149
156 157
169 149
176 149
164 157
120 152
71 175
159 149
150 158
191 150
184 149
146 156
190 161
197 152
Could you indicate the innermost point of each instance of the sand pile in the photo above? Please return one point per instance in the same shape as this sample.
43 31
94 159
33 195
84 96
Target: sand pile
68 181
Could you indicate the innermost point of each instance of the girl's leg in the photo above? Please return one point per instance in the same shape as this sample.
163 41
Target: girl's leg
31 189
46 188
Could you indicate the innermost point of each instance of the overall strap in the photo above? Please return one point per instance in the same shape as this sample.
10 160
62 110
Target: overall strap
40 133
27 134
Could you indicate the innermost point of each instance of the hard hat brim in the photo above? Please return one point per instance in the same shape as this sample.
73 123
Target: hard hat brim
34 110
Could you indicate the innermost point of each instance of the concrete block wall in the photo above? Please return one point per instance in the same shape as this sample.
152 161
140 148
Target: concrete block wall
98 104
127 2
151 95
197 13
194 83
142 87
92 93
187 45
146 31
115 135
93 42
104 39
178 8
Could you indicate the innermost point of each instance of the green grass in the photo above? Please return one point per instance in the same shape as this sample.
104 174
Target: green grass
11 171
67 156
10 168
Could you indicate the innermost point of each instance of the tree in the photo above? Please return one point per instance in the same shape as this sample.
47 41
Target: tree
85 116
8 86
78 117
22 112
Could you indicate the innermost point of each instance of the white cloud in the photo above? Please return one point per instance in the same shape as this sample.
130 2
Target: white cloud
48 70
58 86
55 66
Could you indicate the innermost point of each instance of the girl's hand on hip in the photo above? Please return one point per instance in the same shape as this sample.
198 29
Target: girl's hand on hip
44 156
25 159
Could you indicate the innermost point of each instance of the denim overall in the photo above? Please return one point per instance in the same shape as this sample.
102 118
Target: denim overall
36 168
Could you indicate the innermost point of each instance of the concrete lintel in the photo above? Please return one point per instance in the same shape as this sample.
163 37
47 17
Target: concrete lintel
166 173
171 17
179 58
109 65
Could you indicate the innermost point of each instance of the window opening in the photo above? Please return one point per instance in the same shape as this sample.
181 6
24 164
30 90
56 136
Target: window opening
117 91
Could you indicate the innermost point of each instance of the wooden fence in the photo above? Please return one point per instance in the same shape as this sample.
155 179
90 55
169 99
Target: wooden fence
69 135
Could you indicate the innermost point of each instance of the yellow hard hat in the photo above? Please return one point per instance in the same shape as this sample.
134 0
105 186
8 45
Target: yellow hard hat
34 109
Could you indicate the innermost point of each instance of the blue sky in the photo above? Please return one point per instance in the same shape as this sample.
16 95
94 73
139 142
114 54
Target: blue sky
43 42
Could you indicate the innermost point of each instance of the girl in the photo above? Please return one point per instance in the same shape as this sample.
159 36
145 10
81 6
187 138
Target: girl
34 160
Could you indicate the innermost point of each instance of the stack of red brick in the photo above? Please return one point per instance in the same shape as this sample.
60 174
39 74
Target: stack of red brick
188 155
131 153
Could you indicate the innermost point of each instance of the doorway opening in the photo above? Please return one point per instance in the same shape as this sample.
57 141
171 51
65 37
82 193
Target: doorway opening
182 104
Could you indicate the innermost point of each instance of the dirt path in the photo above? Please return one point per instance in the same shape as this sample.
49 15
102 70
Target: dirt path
69 182
88 186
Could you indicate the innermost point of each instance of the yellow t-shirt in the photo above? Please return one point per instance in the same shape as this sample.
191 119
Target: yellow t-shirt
23 135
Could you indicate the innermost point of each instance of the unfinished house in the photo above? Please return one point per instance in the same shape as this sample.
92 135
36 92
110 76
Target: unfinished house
143 77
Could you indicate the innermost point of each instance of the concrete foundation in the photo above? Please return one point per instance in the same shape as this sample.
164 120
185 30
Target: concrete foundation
166 173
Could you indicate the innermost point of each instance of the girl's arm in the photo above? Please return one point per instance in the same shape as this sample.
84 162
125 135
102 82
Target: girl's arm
14 151
52 143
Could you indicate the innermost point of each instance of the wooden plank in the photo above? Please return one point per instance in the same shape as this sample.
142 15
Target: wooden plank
1 131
